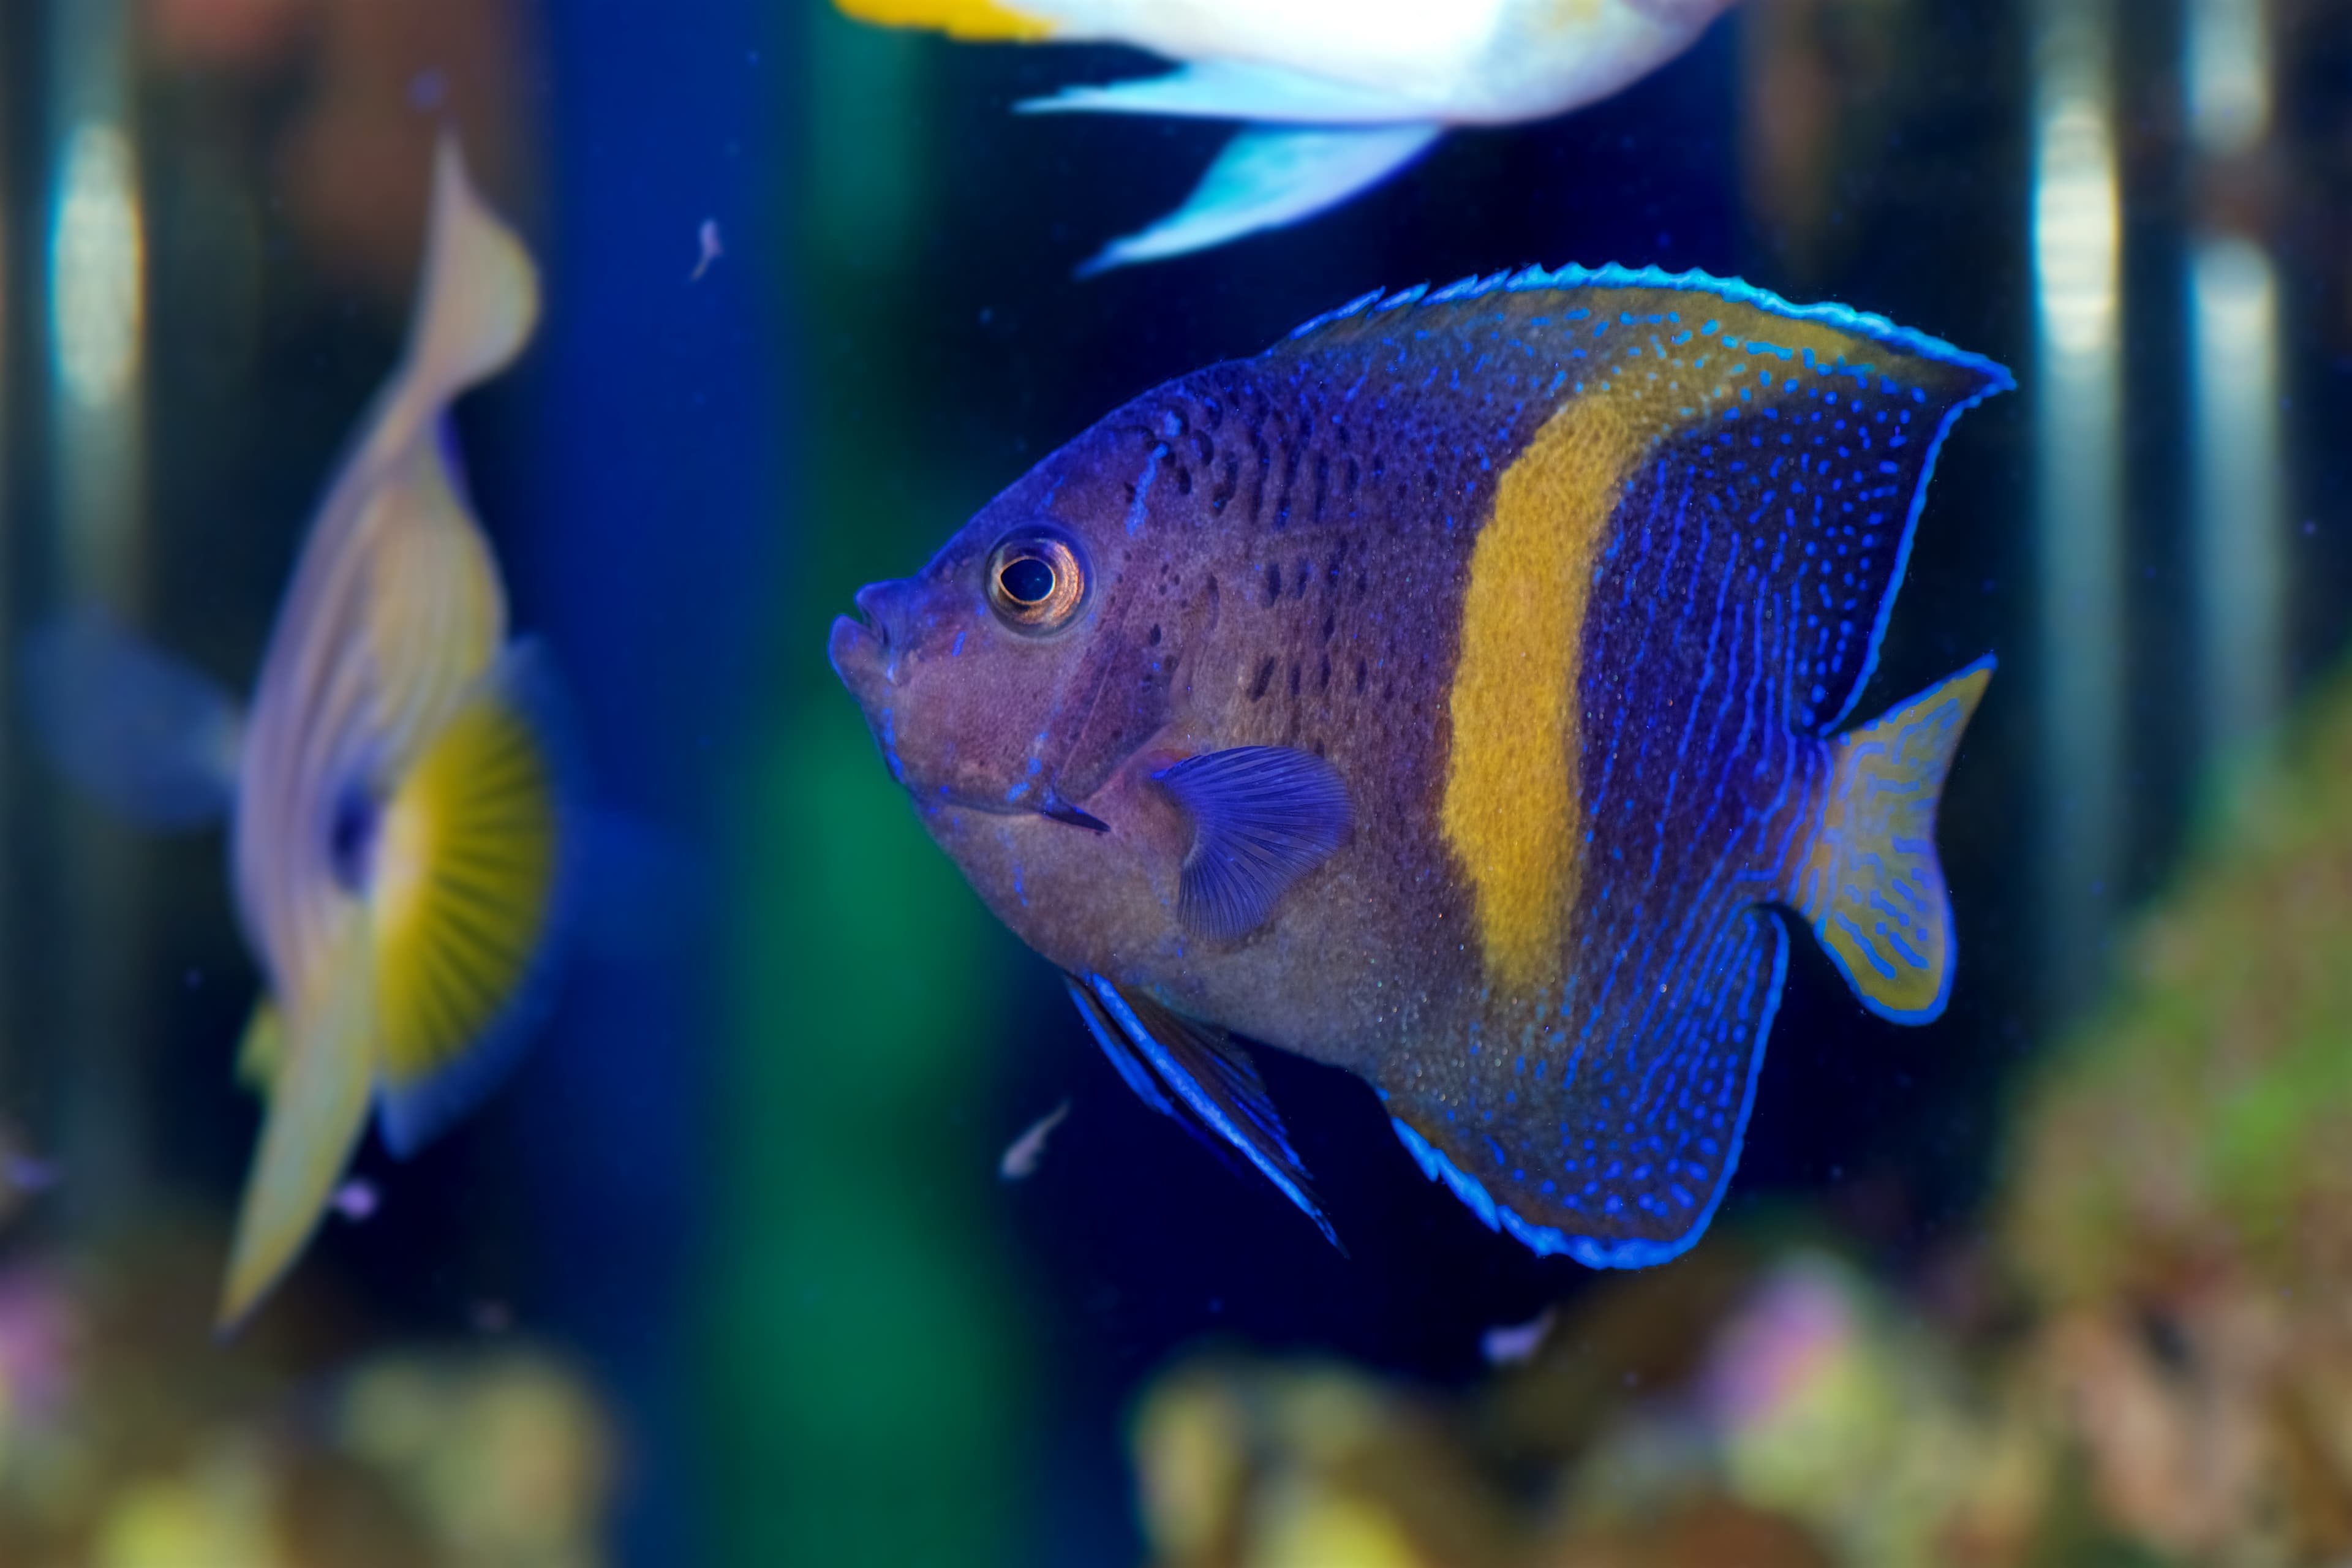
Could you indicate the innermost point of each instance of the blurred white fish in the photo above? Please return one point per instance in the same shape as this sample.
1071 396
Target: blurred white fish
1334 95
710 250
1021 1159
1517 1342
399 827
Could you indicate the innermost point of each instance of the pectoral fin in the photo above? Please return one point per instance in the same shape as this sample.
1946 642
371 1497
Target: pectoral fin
1262 816
1266 178
1200 1075
146 734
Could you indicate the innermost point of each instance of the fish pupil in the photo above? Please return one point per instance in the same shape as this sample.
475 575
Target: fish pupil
1027 580
351 841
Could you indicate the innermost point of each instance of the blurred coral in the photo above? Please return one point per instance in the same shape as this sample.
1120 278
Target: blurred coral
131 1438
2180 1204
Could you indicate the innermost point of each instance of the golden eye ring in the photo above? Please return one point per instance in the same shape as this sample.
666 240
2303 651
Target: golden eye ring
1035 582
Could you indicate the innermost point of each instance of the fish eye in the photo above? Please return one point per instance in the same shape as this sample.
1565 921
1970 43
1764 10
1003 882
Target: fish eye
1035 581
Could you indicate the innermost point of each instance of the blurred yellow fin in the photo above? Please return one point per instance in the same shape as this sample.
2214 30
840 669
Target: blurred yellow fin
317 1108
978 20
463 901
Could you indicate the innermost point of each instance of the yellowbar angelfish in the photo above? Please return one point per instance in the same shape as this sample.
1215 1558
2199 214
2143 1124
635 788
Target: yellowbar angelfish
1457 694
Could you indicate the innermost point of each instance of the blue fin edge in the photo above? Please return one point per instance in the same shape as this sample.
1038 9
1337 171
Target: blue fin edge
1174 1075
1593 1252
1122 1056
410 1117
1877 328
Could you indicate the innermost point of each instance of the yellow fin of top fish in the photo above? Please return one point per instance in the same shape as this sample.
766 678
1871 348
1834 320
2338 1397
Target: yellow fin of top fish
1871 884
462 901
317 1108
976 19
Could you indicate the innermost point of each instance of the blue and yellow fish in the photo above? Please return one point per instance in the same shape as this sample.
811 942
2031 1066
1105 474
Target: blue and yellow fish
1335 95
399 829
1454 693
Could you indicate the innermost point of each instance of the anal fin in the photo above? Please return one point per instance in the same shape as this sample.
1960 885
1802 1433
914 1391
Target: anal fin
1201 1076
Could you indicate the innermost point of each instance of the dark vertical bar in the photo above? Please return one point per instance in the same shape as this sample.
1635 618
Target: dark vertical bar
640 538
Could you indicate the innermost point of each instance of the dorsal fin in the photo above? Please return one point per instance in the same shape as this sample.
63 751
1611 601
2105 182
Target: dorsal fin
1814 429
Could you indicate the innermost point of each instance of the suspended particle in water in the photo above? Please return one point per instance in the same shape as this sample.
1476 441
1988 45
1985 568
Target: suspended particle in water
707 237
357 1200
1021 1159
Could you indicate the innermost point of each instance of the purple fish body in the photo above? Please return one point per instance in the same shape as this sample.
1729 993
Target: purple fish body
1451 694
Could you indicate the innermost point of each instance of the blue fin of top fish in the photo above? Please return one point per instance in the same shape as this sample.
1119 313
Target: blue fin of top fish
1334 96
1457 693
403 838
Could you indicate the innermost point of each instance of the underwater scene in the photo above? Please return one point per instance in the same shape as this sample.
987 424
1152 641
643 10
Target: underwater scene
1210 784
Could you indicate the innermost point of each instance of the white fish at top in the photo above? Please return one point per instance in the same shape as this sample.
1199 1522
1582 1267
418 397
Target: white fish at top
1333 95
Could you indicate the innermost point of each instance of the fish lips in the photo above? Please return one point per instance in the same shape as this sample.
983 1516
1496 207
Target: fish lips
868 649
858 657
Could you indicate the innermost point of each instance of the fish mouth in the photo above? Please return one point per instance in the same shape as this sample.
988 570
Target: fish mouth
859 652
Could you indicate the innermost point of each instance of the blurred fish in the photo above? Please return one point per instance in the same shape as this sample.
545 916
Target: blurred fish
1335 95
400 827
1019 1162
1451 694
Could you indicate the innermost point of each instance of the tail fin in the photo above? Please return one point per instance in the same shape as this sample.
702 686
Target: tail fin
978 20
471 878
1869 884
478 299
